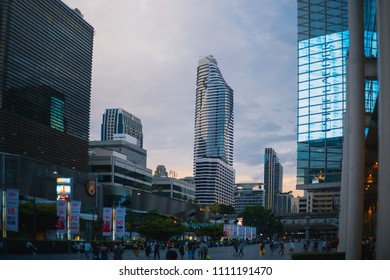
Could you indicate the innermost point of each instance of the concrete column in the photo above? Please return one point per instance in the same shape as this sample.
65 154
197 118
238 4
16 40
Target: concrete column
343 214
383 221
355 130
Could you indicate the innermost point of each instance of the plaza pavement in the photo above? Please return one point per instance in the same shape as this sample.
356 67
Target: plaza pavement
251 252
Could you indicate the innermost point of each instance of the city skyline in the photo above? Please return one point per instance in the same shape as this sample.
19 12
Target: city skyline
145 57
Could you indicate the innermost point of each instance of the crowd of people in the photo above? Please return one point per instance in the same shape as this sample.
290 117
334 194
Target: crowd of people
156 250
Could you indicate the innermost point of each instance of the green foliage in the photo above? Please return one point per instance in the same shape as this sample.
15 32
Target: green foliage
161 229
213 231
221 209
36 218
263 219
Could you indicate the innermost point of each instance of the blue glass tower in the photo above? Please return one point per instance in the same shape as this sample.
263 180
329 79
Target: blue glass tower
323 42
213 145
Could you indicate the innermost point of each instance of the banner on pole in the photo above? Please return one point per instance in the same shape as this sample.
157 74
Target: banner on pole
120 215
61 217
75 208
107 221
12 209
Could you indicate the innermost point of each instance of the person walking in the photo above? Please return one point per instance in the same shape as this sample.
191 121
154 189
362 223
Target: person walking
181 250
104 252
235 246
292 247
31 248
281 248
136 250
156 250
118 251
87 250
148 250
241 248
204 250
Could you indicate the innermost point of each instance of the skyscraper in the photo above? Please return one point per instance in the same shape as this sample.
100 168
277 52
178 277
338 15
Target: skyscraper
323 42
273 178
45 85
118 121
45 93
214 175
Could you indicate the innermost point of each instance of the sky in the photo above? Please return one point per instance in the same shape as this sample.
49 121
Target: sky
146 54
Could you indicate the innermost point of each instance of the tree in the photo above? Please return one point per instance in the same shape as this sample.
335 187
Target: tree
265 222
36 218
161 229
221 209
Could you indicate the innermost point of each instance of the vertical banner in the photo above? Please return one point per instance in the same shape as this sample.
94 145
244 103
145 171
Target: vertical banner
253 232
12 209
233 231
74 224
241 232
120 215
107 221
226 231
61 217
248 235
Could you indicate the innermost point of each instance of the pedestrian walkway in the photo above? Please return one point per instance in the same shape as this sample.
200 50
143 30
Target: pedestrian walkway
251 252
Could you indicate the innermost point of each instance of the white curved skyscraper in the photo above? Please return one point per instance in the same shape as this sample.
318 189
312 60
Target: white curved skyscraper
213 147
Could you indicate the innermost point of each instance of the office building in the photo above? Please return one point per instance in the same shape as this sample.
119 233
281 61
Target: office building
283 202
213 146
45 95
323 43
344 39
173 188
248 194
273 178
118 121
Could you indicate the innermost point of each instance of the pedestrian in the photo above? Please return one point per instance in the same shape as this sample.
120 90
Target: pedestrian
156 250
292 247
325 246
191 250
241 248
104 252
118 251
281 248
204 250
148 250
96 251
181 250
272 246
171 255
235 246
87 249
31 248
315 245
136 250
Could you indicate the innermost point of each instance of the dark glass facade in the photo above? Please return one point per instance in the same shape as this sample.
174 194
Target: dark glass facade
118 121
45 85
273 179
323 42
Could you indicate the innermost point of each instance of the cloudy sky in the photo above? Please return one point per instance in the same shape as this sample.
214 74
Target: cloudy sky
145 57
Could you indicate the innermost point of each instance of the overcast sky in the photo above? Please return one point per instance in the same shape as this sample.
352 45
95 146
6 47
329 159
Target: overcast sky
145 57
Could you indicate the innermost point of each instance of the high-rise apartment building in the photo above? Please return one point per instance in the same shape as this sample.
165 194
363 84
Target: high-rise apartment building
118 121
323 43
45 93
214 175
273 178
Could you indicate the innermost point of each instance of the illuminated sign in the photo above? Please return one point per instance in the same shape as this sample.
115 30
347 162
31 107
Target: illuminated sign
64 188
